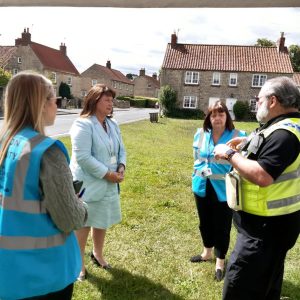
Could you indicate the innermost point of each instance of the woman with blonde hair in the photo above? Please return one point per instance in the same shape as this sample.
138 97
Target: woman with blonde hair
39 253
98 159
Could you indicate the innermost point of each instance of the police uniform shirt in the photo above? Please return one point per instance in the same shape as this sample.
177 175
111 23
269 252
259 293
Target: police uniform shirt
277 152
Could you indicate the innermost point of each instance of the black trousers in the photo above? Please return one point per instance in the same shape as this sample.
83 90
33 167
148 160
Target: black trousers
255 270
215 221
64 294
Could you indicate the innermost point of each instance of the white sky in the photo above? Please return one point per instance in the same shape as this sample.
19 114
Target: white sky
137 38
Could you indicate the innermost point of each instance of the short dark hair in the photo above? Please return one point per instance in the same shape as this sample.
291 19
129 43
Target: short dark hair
220 107
93 96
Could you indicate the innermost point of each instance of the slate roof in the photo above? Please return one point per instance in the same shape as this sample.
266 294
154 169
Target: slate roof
227 58
53 59
109 73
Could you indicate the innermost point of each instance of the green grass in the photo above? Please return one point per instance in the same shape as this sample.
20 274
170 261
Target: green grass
150 249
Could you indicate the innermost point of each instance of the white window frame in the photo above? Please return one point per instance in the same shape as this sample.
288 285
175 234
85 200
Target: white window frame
83 93
189 102
15 71
19 59
216 79
69 80
55 91
258 80
127 88
233 79
94 82
253 105
53 77
115 84
120 85
192 77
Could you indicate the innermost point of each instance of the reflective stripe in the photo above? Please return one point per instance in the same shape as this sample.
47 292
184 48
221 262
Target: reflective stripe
283 202
213 176
219 162
288 176
16 202
28 242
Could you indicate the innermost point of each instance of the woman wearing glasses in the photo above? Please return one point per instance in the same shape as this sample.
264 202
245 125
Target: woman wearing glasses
98 159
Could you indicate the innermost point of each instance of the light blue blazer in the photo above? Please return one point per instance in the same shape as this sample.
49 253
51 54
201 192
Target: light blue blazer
92 152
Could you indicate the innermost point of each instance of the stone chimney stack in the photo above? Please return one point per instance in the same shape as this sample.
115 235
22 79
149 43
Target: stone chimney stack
280 44
108 64
142 72
173 40
63 48
154 76
25 39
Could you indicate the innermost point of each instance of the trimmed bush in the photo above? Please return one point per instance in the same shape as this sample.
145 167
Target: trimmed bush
241 110
184 113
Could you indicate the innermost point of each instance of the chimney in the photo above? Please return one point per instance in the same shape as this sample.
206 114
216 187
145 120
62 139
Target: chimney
154 76
63 48
173 40
25 39
108 64
280 44
142 72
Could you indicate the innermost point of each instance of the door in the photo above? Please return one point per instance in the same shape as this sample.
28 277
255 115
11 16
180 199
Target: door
229 103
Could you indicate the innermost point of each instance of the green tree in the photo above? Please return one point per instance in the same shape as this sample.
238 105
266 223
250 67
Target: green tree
265 43
168 99
4 77
241 110
294 52
64 90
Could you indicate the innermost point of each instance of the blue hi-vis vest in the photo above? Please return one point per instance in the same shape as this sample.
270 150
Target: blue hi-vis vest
36 257
203 146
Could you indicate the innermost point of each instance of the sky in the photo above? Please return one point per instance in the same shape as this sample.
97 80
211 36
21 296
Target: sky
137 38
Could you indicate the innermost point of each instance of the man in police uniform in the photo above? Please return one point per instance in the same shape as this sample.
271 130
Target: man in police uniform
269 223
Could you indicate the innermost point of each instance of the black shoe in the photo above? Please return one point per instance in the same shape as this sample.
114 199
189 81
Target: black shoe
198 259
97 263
82 277
219 275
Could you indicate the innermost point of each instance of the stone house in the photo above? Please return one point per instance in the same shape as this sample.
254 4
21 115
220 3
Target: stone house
52 63
296 78
202 74
146 86
108 76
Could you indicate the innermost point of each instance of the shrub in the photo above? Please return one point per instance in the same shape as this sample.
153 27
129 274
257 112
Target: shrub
183 113
168 100
241 110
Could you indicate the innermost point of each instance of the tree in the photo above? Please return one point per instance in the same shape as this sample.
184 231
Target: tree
265 43
168 99
4 77
294 51
241 110
64 90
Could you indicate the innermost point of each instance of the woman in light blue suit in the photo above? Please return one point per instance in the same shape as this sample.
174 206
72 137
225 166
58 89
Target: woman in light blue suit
98 159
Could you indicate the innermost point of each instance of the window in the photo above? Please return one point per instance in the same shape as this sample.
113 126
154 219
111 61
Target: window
115 84
189 102
258 80
83 93
216 80
19 60
55 91
15 71
233 79
94 82
53 77
253 105
69 80
191 77
127 87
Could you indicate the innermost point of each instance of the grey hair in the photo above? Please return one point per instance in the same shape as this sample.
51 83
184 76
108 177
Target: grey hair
285 90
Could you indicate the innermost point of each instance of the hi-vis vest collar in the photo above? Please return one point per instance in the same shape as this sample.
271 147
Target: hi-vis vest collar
283 196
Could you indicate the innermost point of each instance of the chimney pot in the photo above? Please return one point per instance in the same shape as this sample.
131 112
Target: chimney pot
142 72
173 40
63 48
280 44
108 64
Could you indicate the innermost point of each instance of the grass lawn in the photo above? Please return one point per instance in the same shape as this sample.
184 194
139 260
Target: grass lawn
150 249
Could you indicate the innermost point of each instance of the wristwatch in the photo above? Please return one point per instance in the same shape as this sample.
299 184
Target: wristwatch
229 153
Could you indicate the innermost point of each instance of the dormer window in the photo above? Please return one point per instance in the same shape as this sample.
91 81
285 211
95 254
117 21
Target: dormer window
19 60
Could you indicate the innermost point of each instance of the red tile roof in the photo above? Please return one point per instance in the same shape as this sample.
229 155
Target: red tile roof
227 58
296 77
109 73
53 59
5 54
